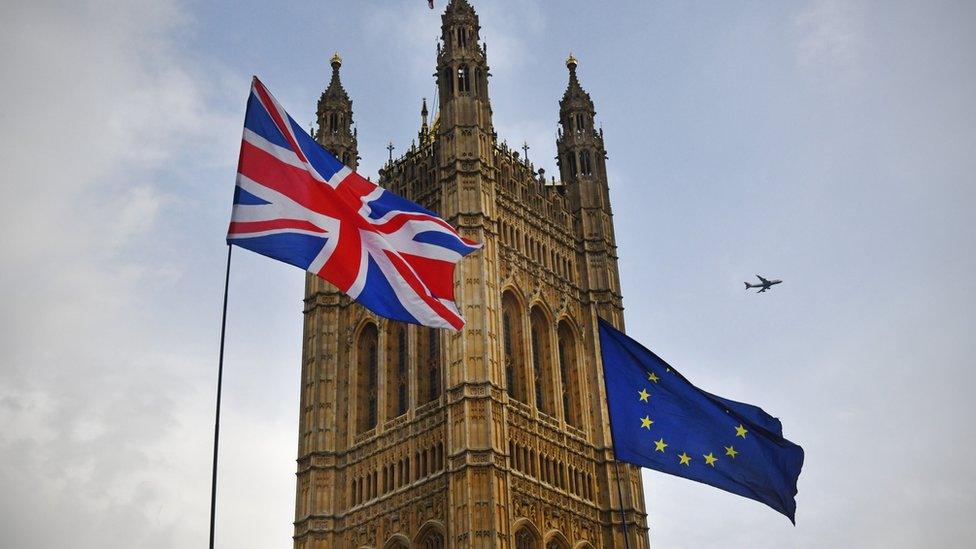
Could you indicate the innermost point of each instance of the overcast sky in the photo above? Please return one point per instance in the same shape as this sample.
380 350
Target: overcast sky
831 144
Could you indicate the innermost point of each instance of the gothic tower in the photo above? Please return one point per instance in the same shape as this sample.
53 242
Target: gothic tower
498 435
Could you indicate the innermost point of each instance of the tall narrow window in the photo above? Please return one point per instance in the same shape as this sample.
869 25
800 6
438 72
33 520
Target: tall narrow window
333 122
541 362
434 365
367 378
449 80
428 365
585 163
569 374
396 370
512 340
464 79
571 158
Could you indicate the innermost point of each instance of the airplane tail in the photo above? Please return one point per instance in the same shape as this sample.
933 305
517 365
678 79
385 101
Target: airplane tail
747 285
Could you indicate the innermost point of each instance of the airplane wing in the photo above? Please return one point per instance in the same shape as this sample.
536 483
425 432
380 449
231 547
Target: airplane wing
764 281
764 288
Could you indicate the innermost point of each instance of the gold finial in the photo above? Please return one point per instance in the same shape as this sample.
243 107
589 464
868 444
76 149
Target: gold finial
336 59
571 61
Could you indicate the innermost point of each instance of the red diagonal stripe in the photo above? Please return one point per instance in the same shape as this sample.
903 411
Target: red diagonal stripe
454 320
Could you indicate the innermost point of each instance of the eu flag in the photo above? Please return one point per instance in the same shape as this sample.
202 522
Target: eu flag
661 421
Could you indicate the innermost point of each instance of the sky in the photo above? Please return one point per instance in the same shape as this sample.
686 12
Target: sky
830 144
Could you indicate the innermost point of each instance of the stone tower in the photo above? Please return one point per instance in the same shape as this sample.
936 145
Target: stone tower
498 435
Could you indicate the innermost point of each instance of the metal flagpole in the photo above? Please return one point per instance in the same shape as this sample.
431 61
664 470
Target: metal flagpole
220 378
616 464
620 495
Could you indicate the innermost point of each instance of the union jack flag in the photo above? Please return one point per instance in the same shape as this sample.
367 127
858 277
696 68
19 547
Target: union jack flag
295 202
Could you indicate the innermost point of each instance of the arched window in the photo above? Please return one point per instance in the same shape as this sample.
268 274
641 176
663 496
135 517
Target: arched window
396 370
569 375
525 538
512 341
464 79
428 365
431 539
541 361
580 122
557 542
449 80
571 158
367 373
333 122
585 167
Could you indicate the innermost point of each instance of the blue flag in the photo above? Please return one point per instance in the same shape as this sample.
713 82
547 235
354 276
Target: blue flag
661 421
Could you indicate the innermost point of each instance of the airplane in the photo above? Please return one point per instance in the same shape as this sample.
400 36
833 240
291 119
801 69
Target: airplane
764 284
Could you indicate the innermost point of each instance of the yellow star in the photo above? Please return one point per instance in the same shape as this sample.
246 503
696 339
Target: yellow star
660 445
643 395
730 451
684 459
652 377
646 422
710 459
740 431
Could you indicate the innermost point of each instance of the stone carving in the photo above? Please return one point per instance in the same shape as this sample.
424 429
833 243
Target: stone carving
441 454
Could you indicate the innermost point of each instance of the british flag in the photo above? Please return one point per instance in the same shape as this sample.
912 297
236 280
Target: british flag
295 202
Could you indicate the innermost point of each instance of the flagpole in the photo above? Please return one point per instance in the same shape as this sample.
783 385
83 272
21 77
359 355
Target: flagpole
620 495
616 463
220 378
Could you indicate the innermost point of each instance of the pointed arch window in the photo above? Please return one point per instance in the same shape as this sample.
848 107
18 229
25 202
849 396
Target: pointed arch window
585 167
396 370
541 363
571 158
432 539
428 365
512 338
367 375
464 78
449 80
526 539
569 375
580 122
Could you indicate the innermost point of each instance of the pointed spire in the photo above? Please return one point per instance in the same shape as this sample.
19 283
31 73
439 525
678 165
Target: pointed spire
458 7
574 90
424 134
335 88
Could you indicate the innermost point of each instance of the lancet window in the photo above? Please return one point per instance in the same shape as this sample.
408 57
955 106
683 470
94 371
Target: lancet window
367 378
541 361
585 167
464 79
512 341
428 365
396 370
569 375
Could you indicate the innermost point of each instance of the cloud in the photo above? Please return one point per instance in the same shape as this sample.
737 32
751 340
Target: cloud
97 107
